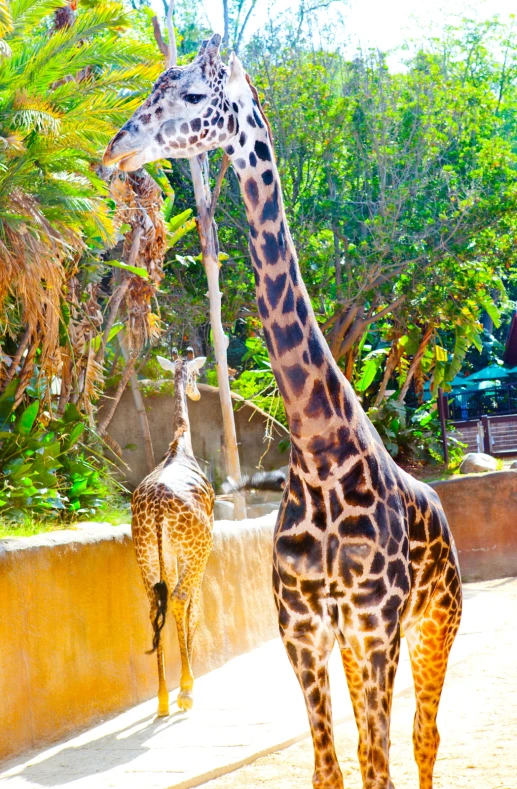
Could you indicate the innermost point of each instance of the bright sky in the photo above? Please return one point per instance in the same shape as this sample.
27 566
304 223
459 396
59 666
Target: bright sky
383 24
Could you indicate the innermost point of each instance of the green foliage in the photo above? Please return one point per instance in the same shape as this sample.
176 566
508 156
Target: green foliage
413 434
400 189
46 469
258 384
140 272
372 363
62 96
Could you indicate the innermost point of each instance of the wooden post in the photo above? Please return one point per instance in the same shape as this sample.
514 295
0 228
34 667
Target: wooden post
442 408
486 435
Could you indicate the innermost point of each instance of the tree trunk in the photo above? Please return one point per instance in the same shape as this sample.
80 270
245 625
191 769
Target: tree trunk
209 254
140 410
226 22
391 364
119 293
337 261
173 52
417 358
11 371
126 375
339 329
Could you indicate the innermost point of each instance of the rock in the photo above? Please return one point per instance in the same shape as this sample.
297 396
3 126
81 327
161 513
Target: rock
476 462
514 465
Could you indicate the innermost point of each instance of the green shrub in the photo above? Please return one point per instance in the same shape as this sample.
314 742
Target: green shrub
46 468
413 434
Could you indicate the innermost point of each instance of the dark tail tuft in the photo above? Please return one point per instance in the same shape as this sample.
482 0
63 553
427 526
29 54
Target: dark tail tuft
162 596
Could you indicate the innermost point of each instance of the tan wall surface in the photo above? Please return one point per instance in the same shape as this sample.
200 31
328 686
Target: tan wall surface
206 423
482 513
74 624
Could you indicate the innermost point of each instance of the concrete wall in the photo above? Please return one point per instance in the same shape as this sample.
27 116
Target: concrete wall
482 512
74 624
206 422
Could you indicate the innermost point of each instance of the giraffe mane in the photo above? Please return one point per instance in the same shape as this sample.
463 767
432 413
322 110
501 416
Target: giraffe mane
173 446
259 105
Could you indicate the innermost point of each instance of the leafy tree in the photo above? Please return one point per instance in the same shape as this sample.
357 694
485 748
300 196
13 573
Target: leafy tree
400 189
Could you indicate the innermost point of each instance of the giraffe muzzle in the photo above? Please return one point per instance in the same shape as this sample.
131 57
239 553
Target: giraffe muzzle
122 158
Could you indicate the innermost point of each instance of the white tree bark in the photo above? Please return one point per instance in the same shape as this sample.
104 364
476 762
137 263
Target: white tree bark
211 263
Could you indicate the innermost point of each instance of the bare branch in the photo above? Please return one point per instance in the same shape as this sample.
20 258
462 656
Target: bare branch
119 294
225 163
238 41
162 46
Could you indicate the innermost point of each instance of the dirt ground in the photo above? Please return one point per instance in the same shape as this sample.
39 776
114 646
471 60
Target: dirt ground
477 722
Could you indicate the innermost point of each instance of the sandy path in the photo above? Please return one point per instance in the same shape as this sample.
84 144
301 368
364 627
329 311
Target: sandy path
477 721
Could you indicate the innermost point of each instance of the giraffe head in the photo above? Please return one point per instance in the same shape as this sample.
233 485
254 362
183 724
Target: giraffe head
185 371
192 109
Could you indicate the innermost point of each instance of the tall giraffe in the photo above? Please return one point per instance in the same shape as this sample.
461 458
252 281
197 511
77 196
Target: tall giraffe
172 527
361 549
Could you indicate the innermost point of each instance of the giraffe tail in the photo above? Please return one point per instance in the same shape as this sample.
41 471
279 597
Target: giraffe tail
162 595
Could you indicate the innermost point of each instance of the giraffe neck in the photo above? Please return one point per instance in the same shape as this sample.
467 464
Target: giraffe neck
181 424
318 398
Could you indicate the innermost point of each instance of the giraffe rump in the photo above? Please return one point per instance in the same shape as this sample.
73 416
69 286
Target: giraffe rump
161 594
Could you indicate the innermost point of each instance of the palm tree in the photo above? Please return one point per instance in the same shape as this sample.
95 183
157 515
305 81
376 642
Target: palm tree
63 91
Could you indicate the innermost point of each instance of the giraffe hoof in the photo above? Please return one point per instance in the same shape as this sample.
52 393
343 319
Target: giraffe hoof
185 700
163 712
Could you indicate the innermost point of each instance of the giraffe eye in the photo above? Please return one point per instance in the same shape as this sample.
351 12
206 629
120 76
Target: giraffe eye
194 98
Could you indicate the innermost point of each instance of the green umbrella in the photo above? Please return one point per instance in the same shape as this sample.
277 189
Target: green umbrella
491 373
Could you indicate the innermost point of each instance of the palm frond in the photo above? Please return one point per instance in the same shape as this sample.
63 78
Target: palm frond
6 19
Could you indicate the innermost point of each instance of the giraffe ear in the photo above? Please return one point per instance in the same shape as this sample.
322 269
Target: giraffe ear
209 49
166 364
196 364
237 72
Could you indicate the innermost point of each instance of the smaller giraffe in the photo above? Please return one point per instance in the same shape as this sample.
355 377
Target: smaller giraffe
172 523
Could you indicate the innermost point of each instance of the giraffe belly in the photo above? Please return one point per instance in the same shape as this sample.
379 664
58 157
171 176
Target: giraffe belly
345 584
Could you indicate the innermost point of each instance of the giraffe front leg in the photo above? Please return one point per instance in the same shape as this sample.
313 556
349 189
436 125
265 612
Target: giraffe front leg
376 655
309 649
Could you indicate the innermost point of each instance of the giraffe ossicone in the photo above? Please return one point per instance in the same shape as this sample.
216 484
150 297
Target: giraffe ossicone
361 549
172 524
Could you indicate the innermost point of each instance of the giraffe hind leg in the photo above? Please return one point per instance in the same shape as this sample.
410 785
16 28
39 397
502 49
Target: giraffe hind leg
157 614
145 542
181 599
193 619
429 643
